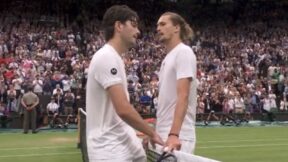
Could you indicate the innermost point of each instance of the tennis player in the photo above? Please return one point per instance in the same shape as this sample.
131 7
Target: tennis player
110 117
176 112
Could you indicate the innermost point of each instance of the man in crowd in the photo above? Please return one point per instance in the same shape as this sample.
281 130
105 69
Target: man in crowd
29 102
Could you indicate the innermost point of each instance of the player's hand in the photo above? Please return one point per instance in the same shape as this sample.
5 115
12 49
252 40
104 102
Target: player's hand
156 139
172 143
145 143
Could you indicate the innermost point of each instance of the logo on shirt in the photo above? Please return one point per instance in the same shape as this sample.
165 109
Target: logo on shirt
113 71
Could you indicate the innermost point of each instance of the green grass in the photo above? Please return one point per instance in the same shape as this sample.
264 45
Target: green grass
41 147
227 144
243 144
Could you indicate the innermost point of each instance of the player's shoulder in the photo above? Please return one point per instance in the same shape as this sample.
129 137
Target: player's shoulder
184 50
105 51
104 54
184 47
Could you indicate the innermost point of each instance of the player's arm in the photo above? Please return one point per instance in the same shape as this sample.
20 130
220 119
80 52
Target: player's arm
183 86
128 113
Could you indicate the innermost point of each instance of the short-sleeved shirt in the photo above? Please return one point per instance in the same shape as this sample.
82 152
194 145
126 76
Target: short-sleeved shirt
30 98
108 136
179 63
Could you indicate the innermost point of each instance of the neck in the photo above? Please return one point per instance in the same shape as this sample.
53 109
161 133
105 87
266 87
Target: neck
118 45
172 44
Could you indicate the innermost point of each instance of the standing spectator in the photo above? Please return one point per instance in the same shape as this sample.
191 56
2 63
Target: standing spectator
11 94
267 106
17 81
47 86
68 101
38 85
58 89
66 82
29 101
59 100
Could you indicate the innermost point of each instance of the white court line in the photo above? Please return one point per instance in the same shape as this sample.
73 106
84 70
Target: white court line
239 146
251 140
43 154
35 148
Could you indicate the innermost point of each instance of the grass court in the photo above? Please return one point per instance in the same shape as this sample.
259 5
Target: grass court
227 144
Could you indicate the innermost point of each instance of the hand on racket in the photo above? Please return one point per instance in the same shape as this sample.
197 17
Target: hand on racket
145 143
172 143
156 139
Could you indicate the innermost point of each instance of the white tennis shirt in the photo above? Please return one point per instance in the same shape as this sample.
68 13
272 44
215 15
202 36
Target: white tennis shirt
179 63
108 136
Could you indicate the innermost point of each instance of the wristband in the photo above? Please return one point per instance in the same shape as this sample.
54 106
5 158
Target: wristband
173 134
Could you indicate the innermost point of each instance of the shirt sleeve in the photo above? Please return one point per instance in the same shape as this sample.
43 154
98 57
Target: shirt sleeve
186 64
107 71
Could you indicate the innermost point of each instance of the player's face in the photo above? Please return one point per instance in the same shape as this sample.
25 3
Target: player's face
130 33
165 28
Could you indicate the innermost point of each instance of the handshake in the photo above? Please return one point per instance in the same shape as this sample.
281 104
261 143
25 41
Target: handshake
172 143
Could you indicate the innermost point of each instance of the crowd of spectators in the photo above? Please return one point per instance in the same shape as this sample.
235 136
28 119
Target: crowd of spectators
242 66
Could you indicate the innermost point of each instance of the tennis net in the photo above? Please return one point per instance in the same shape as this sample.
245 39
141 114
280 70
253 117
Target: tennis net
82 134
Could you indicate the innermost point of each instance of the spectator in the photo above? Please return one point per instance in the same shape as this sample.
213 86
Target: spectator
52 107
29 102
68 103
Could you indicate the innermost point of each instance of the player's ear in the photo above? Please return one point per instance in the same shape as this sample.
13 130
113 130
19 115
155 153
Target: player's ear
177 28
118 26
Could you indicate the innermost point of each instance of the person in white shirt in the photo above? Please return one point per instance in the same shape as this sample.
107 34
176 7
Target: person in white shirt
57 88
267 106
176 112
52 107
110 116
66 82
38 85
17 81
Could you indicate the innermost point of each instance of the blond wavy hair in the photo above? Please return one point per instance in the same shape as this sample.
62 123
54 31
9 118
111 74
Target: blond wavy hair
186 32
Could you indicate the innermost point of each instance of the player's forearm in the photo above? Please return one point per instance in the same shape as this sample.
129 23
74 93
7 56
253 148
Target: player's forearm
179 115
183 86
131 117
126 112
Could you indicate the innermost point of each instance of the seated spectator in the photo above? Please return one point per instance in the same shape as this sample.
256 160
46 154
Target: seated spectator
56 122
52 107
70 120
